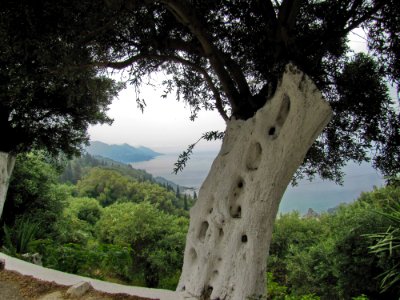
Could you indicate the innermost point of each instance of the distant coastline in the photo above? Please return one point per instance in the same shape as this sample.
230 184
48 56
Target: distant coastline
123 153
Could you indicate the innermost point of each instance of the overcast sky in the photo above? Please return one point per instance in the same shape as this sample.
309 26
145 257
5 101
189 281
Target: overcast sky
164 126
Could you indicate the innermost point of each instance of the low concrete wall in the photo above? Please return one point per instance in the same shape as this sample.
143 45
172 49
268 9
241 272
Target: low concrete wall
46 274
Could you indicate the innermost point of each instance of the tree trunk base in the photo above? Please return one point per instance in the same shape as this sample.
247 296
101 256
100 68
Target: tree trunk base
232 221
7 162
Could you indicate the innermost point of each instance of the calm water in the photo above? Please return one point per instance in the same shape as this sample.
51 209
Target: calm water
192 176
319 195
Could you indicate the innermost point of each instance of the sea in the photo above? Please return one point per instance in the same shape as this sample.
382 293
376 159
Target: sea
318 195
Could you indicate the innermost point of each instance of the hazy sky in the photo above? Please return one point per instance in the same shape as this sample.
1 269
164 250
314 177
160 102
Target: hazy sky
165 124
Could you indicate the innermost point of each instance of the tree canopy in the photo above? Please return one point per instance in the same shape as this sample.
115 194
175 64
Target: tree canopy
46 102
228 56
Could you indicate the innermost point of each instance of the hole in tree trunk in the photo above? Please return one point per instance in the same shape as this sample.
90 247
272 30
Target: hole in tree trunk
271 131
283 111
281 117
236 211
203 231
244 238
253 157
207 293
193 254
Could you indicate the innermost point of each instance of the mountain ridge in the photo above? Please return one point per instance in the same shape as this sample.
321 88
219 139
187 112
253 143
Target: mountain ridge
123 153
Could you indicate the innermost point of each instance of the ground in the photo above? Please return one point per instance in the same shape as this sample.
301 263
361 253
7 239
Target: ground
14 286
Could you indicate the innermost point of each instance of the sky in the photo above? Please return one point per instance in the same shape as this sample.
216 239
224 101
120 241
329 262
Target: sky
164 125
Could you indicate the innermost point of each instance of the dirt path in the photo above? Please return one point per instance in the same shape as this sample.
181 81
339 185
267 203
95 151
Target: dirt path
14 286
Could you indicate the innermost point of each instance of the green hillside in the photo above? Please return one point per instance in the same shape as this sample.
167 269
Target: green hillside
122 153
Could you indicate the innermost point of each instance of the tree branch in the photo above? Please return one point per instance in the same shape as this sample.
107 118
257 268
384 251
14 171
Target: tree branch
288 12
364 18
163 58
188 18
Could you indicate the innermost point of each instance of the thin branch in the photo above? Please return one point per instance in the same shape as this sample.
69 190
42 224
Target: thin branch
364 18
119 65
185 155
236 72
360 36
175 44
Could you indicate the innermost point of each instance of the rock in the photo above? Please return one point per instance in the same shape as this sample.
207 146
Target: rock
34 258
2 264
311 214
79 289
52 296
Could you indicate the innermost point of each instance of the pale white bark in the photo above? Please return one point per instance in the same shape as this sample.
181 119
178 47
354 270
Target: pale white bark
232 220
7 162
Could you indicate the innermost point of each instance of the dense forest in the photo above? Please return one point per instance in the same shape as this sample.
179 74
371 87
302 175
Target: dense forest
98 218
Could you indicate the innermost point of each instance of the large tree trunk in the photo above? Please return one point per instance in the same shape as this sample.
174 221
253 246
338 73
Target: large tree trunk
232 221
7 162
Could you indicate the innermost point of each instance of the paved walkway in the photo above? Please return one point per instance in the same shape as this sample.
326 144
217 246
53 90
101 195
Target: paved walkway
46 274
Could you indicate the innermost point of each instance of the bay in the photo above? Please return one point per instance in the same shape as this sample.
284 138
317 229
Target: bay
192 176
318 195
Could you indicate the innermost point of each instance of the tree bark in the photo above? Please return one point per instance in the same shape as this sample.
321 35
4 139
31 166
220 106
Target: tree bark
7 162
231 223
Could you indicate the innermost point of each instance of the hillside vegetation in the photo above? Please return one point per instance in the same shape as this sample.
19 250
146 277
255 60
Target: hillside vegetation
109 221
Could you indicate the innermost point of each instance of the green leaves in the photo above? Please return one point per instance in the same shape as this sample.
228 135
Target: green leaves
353 251
184 157
17 240
388 242
49 90
156 238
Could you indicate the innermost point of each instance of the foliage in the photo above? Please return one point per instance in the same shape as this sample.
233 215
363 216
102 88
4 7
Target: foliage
290 230
103 261
34 193
137 240
76 168
109 186
46 101
330 255
17 240
76 225
185 155
388 244
157 239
